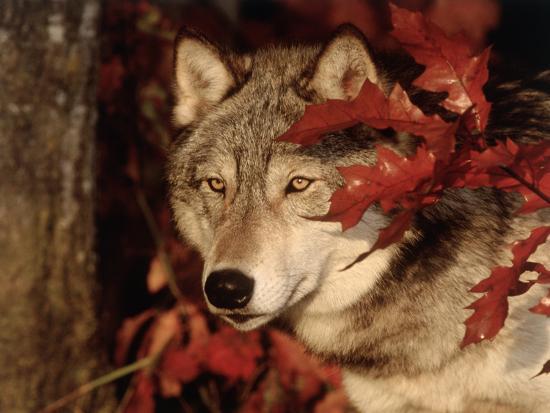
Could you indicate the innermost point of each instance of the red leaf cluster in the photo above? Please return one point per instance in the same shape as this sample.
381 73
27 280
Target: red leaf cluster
404 185
142 400
294 380
515 168
233 354
185 347
299 372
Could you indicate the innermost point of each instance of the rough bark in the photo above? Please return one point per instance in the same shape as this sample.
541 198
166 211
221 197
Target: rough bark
48 320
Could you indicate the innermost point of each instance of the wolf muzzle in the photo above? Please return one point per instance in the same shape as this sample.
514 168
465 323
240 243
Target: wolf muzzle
229 289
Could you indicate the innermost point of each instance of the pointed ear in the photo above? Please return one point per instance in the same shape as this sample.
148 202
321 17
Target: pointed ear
203 75
343 65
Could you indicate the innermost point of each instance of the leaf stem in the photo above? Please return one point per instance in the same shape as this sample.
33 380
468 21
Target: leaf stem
127 396
101 381
206 397
529 185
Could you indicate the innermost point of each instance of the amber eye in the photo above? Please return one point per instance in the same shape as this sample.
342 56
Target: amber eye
298 184
216 185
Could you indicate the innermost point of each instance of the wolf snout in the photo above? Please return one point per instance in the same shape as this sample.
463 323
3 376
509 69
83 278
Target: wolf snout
229 289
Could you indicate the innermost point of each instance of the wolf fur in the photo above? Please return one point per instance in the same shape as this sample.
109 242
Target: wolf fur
394 321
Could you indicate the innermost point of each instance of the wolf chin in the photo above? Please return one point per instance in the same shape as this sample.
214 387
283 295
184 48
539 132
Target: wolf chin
394 321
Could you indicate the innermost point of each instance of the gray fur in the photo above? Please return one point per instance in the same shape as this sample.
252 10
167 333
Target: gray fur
401 336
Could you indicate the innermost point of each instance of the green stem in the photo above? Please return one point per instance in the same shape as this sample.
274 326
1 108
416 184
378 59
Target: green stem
101 381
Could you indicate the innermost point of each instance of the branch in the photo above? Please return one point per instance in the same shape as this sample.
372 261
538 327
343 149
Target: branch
529 185
101 381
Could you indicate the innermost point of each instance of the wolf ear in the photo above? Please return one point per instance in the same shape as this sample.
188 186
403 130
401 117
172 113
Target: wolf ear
343 65
203 75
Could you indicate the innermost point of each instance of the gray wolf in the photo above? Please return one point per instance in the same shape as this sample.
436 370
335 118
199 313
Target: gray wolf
394 321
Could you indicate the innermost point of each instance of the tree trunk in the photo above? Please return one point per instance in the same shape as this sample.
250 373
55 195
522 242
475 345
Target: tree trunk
48 323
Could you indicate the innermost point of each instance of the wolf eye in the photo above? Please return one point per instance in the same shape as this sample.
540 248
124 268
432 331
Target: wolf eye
216 185
298 184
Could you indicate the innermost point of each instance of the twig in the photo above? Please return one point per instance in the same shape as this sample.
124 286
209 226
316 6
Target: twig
529 185
213 391
159 242
252 381
101 381
185 406
206 398
127 396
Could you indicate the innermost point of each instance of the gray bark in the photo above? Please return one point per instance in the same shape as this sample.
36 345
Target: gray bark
48 320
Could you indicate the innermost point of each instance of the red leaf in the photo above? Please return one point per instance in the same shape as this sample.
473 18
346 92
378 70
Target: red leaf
269 397
127 332
504 153
545 369
543 307
544 274
491 310
398 112
166 329
183 364
508 166
298 371
320 119
178 366
390 234
199 334
394 232
391 181
157 277
449 65
233 354
142 399
374 109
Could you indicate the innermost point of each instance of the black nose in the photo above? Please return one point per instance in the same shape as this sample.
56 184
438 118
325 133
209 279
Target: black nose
229 289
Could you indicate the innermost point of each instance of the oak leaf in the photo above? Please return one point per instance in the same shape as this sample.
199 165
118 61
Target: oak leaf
491 310
450 67
127 332
233 354
142 400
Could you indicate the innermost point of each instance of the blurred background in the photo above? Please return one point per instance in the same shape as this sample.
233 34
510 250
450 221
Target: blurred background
145 300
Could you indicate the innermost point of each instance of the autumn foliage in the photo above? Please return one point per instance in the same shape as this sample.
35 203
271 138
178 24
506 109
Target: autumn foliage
199 361
452 154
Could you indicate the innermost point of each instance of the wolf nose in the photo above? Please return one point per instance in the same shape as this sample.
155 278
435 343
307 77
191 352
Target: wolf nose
228 289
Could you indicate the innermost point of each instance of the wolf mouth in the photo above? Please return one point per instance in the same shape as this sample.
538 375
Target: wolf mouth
242 318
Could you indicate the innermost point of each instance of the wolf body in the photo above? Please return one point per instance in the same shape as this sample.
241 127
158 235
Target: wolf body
394 321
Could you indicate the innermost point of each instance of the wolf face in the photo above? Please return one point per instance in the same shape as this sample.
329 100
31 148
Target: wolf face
245 200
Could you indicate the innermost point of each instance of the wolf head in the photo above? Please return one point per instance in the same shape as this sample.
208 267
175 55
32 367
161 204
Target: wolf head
244 199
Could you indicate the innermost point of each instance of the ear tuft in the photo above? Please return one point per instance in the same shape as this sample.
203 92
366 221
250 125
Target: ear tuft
343 65
203 75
